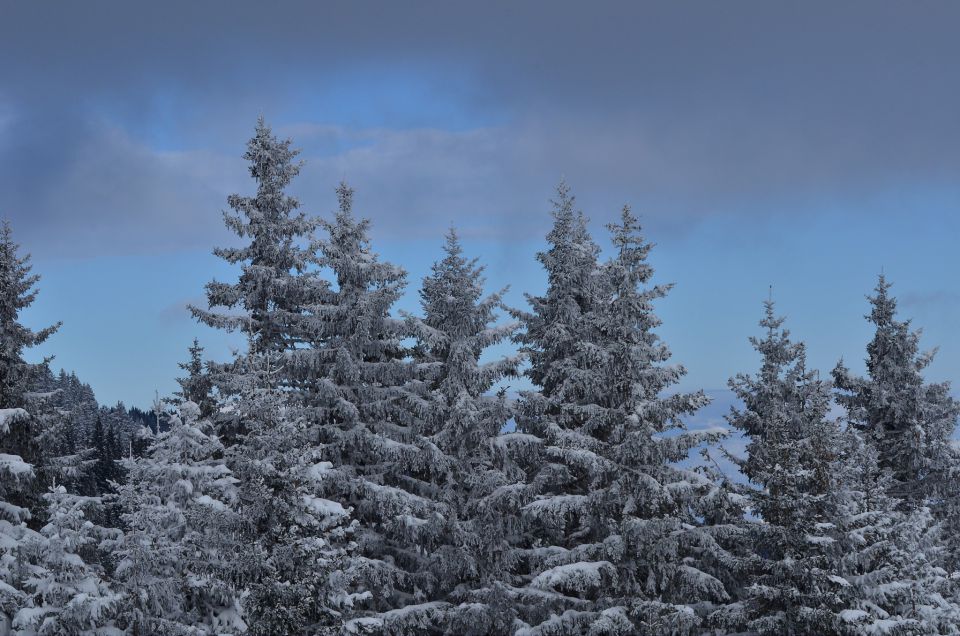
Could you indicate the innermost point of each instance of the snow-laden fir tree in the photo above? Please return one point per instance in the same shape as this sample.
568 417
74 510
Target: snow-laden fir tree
468 541
17 376
885 554
294 543
359 369
274 284
196 386
19 493
909 421
17 292
173 561
615 543
68 593
793 456
291 541
16 477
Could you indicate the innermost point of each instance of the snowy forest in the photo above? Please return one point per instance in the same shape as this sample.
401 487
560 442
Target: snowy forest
361 470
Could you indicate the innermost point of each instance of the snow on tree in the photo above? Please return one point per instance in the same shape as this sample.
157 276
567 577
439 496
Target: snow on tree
196 386
15 477
887 555
171 562
792 458
16 294
359 369
274 284
19 494
68 593
909 421
614 543
466 542
293 542
292 538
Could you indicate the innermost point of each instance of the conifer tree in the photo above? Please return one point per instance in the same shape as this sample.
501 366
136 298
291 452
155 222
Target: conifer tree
467 546
793 456
359 370
291 539
177 512
614 540
294 542
17 292
274 285
19 494
909 421
68 593
196 386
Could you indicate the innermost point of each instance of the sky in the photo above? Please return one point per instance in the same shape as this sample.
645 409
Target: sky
803 146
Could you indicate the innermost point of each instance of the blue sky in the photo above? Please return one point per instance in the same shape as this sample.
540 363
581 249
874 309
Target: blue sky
805 147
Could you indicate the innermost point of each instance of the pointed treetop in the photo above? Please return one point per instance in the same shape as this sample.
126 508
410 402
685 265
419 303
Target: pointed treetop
884 306
271 159
344 200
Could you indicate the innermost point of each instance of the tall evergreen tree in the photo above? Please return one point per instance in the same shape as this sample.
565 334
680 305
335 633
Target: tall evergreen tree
274 285
792 458
19 453
359 369
466 546
615 539
291 538
17 292
909 421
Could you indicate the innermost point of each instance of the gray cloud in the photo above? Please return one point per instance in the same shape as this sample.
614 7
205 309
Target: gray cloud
121 125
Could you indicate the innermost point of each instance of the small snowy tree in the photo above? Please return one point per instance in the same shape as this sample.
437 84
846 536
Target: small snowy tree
197 385
68 593
171 561
16 476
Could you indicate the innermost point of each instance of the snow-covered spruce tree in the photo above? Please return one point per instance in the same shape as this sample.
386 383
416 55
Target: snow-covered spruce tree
16 476
909 421
17 376
19 494
173 560
793 457
294 543
267 302
196 386
885 553
67 591
17 292
290 538
357 370
467 542
614 543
